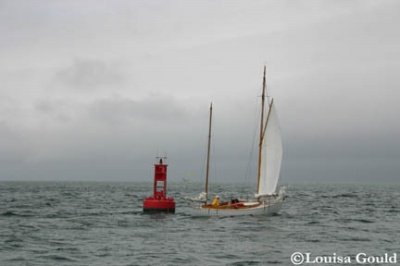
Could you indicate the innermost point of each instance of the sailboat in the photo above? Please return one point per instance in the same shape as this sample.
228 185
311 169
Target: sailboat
267 200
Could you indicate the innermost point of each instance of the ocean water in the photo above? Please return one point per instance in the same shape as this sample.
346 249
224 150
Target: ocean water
54 223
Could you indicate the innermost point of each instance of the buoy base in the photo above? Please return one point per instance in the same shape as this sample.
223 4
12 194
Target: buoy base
155 205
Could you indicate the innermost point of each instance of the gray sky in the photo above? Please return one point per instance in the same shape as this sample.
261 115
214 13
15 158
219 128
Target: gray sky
94 90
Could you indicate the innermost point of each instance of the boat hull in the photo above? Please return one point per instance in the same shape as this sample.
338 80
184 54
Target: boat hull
266 207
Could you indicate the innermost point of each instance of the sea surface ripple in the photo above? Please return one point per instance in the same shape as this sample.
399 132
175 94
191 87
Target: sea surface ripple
94 223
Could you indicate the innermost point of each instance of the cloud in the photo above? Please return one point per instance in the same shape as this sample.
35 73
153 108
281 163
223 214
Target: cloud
117 109
90 74
90 89
14 150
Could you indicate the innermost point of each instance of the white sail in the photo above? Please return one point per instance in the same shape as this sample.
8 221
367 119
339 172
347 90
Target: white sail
272 151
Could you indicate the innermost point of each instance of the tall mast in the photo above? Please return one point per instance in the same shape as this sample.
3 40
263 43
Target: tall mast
261 131
208 153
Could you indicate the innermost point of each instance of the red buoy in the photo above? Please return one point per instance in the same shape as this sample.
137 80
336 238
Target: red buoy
159 202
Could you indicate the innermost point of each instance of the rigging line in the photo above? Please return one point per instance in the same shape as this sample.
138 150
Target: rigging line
265 86
208 151
205 151
214 163
253 143
203 166
266 121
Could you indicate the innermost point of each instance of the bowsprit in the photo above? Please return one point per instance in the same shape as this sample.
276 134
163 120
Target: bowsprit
159 202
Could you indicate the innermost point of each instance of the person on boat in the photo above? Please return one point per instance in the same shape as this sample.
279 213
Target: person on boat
215 202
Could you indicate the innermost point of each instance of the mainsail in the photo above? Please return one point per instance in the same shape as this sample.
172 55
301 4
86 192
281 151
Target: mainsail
271 154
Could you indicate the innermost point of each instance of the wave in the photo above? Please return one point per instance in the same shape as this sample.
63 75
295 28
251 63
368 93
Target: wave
57 258
12 213
9 213
345 195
